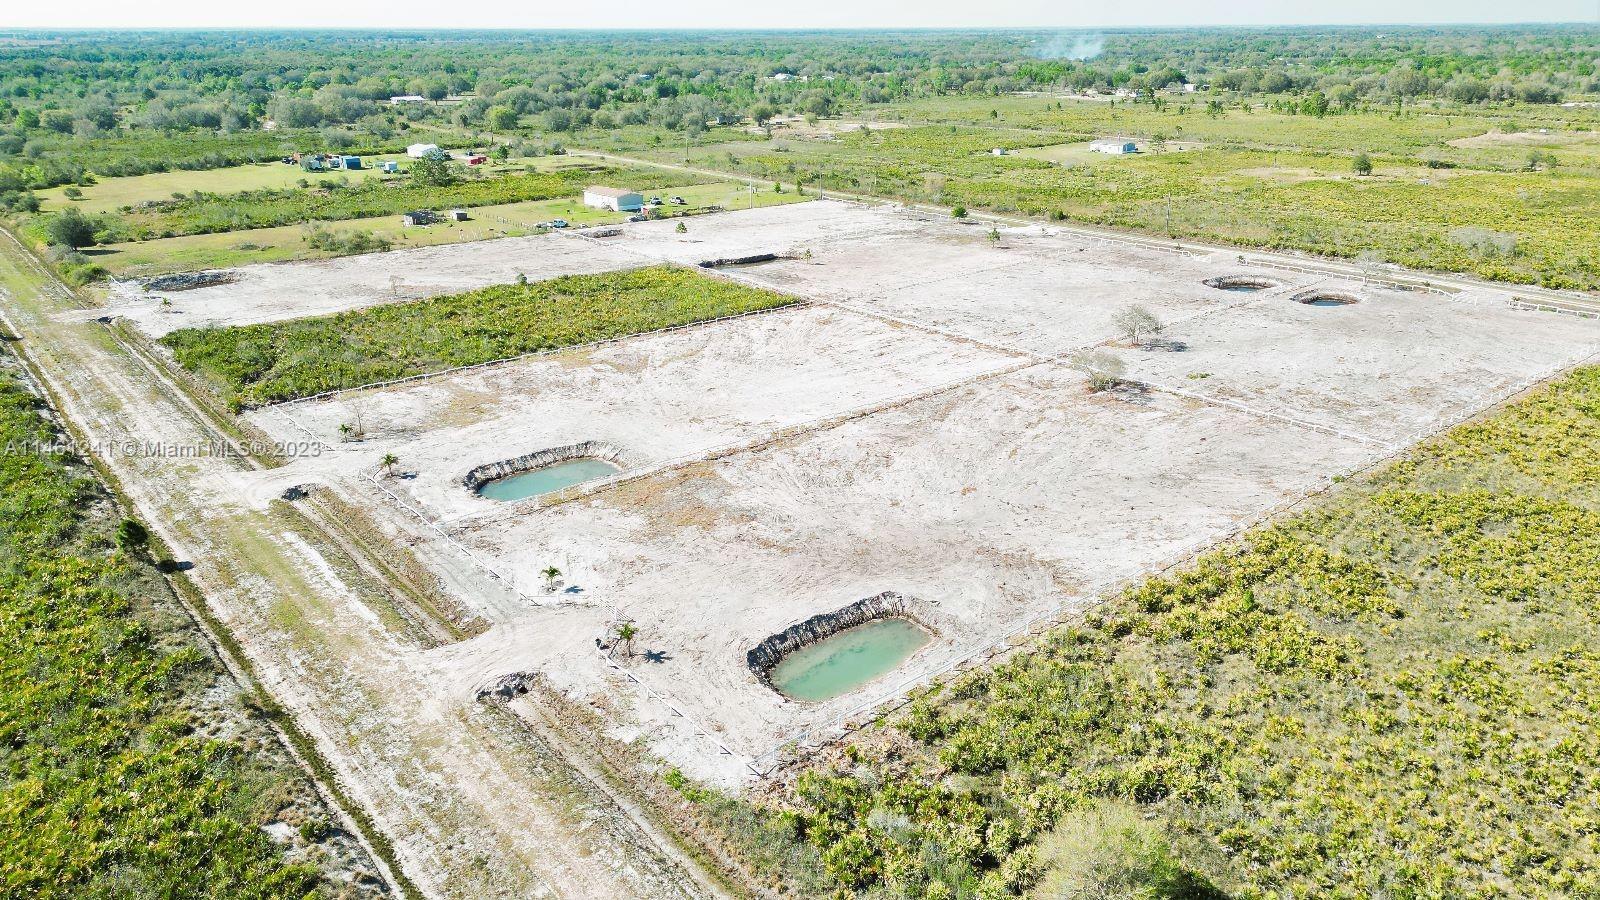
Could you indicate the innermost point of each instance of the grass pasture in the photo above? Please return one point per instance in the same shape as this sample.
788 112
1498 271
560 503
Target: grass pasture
142 259
260 364
266 209
110 194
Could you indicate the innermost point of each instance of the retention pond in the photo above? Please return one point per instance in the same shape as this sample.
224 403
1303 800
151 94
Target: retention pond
549 478
842 662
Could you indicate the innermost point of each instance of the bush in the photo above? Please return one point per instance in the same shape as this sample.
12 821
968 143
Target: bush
344 243
69 228
1105 370
1484 242
1108 850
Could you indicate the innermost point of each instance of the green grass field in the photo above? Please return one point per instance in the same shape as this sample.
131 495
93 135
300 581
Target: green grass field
258 364
141 259
109 194
211 214
1395 693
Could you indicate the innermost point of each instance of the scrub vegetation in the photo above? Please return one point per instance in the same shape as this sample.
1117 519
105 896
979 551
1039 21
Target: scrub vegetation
199 213
1392 694
1243 190
258 364
1461 127
110 783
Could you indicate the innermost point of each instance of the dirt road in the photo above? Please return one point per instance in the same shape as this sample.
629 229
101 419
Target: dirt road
473 804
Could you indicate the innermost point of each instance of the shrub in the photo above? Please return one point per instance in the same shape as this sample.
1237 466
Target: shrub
346 242
1105 370
69 228
1484 242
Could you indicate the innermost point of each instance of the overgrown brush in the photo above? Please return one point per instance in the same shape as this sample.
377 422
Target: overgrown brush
268 363
1394 694
107 786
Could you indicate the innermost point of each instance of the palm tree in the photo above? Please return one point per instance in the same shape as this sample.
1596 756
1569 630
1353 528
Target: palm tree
388 462
550 573
626 632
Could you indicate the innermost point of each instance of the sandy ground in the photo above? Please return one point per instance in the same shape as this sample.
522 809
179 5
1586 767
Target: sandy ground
660 397
993 504
1524 139
273 292
916 430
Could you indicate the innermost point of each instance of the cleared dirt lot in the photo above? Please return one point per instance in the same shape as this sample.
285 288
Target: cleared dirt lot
993 504
1391 368
273 292
915 429
658 397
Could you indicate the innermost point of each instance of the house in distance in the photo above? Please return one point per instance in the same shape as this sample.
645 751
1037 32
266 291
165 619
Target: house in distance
1114 146
614 199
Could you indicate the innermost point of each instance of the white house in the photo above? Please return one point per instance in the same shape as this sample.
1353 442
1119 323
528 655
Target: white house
1116 147
614 199
406 98
418 151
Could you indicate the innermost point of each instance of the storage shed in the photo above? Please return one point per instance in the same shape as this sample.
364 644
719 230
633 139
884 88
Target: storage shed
614 199
1115 147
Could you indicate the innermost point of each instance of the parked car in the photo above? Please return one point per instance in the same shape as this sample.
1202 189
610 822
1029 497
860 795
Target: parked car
653 201
679 201
558 223
638 218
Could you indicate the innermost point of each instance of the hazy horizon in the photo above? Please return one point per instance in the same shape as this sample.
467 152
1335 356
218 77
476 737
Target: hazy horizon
719 15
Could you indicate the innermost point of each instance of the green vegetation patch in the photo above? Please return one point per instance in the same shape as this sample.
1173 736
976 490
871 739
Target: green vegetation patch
1530 226
210 213
1394 694
106 788
259 364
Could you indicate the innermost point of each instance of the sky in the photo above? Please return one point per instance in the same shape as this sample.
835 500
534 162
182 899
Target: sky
774 14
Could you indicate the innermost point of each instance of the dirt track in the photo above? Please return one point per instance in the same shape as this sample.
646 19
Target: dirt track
474 805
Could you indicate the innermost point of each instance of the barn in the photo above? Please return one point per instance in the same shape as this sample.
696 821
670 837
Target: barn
614 199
